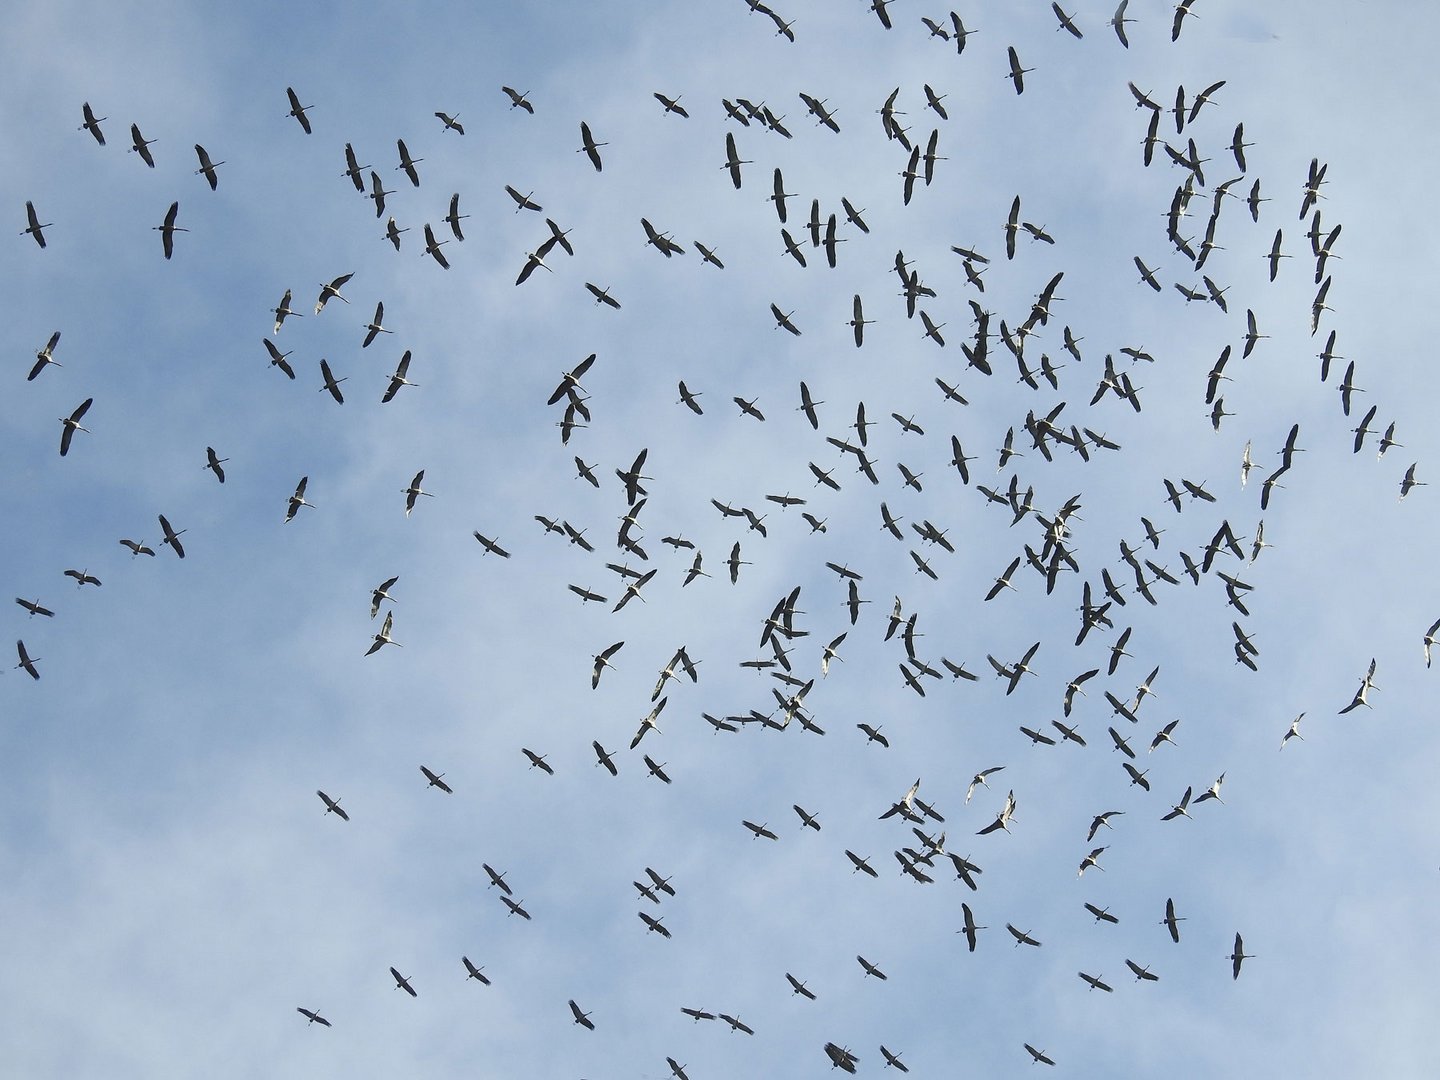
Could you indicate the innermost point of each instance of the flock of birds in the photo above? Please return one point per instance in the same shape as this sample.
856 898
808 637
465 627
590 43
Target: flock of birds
1044 554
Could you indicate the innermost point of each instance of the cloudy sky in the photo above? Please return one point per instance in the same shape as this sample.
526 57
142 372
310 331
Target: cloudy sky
171 887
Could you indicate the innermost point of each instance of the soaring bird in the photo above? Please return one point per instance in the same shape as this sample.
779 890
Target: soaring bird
590 148
297 500
27 662
412 492
403 983
141 145
383 638
36 227
213 463
1237 956
207 167
332 806
172 537
168 230
432 247
1017 73
284 311
969 929
332 290
581 1018
398 379
71 424
298 112
331 384
436 780
312 1017
92 123
45 357
471 971
517 100
407 163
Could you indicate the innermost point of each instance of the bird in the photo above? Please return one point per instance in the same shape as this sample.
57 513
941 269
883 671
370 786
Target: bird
652 923
1142 974
297 110
1293 732
403 983
798 987
491 547
297 500
841 1058
71 424
590 148
1095 983
736 1024
45 357
672 105
168 230
283 311
452 123
27 662
1408 482
1237 956
496 878
581 1018
213 463
1181 10
207 167
1039 1056
378 193
518 100
414 491
436 780
432 247
604 758
311 1017
1367 683
354 170
1118 21
453 219
137 548
602 661
1066 21
398 379
82 578
969 929
34 608
1171 921
140 145
871 969
1017 73
331 383
1180 809
407 163
383 638
471 971
515 907
537 761
92 123
1101 914
332 806
893 1059
35 226
332 290
172 538
1021 937
760 830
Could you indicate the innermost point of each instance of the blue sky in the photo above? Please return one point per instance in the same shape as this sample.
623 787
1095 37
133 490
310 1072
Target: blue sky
172 886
